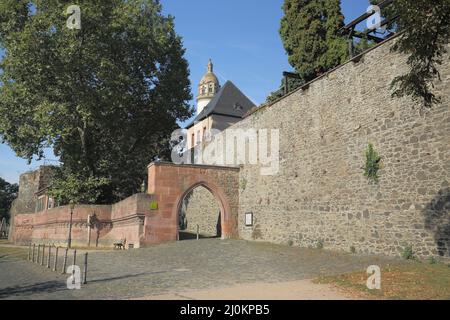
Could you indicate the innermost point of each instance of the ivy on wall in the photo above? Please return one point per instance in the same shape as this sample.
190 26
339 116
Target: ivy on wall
372 164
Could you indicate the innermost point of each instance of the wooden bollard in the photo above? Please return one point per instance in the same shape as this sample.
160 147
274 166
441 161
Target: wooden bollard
85 268
55 263
43 255
34 249
64 261
29 252
49 256
198 232
38 253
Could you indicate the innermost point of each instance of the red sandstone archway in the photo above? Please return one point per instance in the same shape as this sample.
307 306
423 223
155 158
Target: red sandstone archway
220 197
169 183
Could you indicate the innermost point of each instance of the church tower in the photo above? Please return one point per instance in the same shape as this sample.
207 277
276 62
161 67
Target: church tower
207 88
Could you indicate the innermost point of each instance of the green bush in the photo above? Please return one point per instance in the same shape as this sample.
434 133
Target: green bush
319 244
408 253
372 164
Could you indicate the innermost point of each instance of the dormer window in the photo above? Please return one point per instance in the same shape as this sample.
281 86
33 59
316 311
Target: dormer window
237 107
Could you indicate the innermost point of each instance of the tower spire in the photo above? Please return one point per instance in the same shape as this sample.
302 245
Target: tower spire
210 66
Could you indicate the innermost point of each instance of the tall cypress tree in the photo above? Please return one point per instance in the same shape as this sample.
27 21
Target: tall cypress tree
310 34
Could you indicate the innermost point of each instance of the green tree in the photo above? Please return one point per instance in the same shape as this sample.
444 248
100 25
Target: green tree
310 34
8 192
105 97
425 36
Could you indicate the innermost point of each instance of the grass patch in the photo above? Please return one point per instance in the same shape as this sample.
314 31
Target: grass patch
411 281
86 248
13 253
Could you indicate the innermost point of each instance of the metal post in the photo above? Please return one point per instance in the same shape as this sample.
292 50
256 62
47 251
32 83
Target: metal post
85 268
89 235
38 253
55 263
351 48
74 263
49 256
69 241
286 85
74 257
34 249
65 261
43 255
29 252
198 234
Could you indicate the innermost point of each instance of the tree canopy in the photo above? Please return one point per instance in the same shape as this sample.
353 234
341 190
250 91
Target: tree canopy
425 28
8 192
310 34
105 97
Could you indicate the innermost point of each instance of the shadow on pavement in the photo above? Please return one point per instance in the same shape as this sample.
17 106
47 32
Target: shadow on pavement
125 277
19 291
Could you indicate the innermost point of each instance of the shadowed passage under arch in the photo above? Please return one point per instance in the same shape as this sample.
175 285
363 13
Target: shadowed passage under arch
199 211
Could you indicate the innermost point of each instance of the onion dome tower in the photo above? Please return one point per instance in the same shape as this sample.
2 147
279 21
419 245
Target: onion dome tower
207 88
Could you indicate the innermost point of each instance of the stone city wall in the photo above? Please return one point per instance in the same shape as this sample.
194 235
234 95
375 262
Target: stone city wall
320 195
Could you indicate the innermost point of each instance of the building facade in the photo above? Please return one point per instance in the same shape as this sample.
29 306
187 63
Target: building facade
218 107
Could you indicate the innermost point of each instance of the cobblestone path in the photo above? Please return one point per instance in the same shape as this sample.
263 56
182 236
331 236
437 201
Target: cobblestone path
178 267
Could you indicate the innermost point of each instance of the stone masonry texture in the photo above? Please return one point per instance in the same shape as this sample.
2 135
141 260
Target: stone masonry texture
201 208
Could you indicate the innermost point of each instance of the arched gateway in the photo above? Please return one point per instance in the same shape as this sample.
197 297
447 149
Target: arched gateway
168 184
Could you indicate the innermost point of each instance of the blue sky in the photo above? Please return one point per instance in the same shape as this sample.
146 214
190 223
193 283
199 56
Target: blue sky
241 36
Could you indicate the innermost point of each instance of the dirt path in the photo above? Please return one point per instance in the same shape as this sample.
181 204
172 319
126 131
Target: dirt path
292 290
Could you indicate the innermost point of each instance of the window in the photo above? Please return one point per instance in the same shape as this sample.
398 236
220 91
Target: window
204 134
238 107
51 203
193 140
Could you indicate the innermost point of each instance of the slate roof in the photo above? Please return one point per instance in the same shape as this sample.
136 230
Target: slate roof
229 101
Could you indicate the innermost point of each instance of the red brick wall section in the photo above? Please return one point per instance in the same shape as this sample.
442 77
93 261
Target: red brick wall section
123 220
132 219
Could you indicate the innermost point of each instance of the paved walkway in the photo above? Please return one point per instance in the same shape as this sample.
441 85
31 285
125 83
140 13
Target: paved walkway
292 290
209 268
